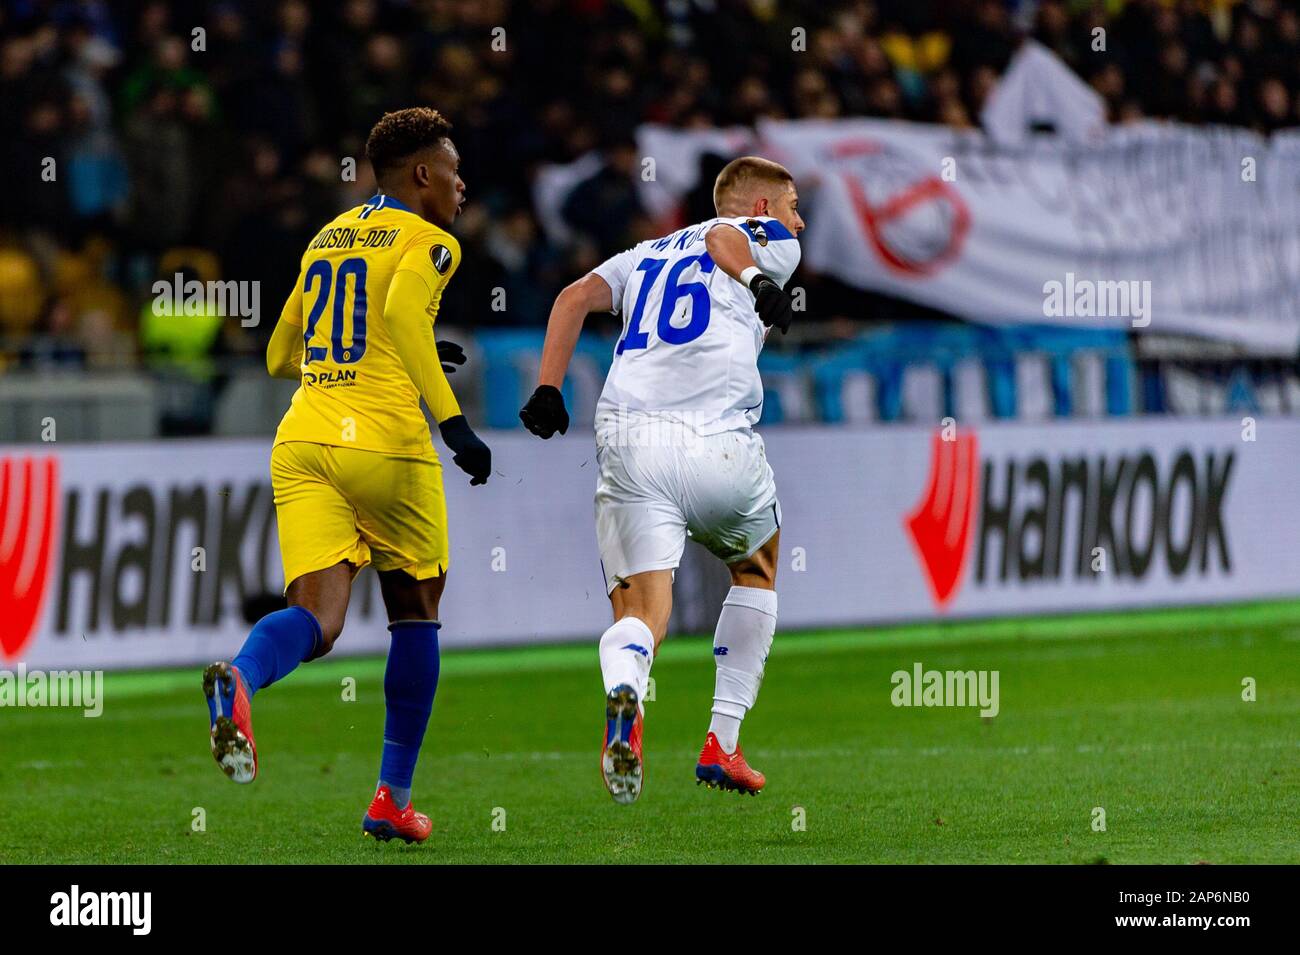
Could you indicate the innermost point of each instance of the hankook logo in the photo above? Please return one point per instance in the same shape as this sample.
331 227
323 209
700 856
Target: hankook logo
1126 506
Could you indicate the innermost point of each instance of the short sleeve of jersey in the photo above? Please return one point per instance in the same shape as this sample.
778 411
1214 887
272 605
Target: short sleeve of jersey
434 256
616 271
774 247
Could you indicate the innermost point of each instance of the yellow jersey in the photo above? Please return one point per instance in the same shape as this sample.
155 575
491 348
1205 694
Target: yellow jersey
356 388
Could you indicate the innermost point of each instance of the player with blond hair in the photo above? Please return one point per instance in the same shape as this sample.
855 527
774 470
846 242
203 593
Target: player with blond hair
676 451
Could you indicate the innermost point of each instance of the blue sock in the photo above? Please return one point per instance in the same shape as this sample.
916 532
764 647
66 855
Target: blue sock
410 680
278 643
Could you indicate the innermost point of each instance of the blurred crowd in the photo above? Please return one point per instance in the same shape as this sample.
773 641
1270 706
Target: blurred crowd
146 137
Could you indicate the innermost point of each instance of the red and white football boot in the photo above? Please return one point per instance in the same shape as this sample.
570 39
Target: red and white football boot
727 771
385 821
621 763
230 716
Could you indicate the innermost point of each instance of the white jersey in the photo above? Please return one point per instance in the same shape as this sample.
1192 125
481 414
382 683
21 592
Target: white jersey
691 338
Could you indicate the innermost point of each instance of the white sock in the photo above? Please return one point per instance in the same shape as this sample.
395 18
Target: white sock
740 645
626 651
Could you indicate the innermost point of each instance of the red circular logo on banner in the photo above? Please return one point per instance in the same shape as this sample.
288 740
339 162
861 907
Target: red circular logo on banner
917 224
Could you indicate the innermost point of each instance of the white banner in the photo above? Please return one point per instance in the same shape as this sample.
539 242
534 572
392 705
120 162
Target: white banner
148 551
1156 227
1163 228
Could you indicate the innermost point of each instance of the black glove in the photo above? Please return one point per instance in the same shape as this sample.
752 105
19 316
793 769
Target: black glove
544 414
773 305
471 455
451 355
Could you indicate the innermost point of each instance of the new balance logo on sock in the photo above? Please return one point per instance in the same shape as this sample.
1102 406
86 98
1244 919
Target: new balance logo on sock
638 648
722 652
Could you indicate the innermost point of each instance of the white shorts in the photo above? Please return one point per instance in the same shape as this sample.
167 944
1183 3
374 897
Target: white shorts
717 489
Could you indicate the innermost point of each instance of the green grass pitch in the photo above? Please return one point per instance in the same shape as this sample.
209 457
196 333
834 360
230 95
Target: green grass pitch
1139 714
